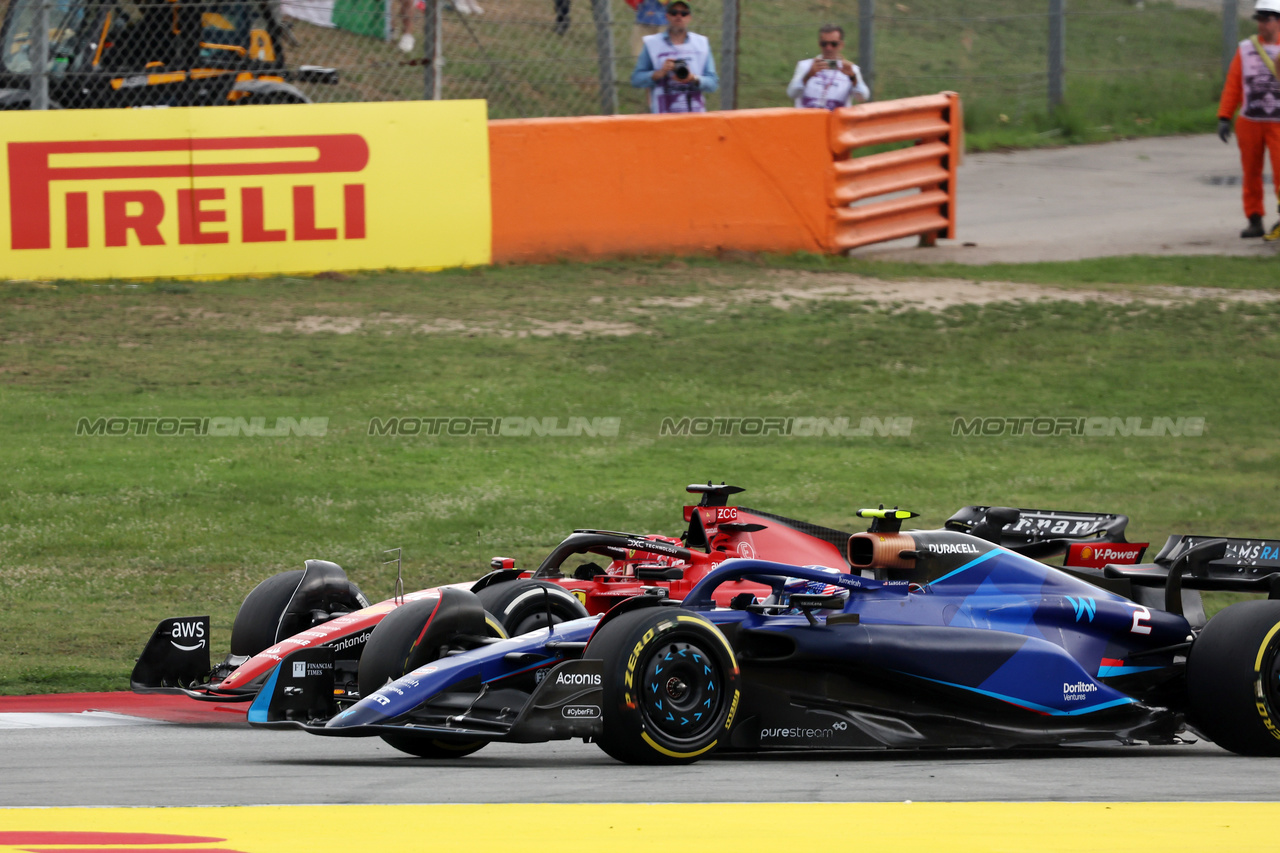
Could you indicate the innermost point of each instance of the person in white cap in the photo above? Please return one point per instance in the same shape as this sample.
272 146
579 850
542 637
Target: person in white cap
1254 83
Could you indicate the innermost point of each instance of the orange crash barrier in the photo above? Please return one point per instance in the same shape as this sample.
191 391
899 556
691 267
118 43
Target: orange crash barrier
935 124
752 180
656 184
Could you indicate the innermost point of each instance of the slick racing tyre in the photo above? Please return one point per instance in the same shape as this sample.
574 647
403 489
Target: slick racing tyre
521 605
670 686
262 620
414 635
1233 678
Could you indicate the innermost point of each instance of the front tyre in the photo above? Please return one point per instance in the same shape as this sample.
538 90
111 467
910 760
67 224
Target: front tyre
1233 678
289 602
670 686
413 635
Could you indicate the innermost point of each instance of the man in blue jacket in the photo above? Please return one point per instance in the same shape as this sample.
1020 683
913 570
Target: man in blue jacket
676 66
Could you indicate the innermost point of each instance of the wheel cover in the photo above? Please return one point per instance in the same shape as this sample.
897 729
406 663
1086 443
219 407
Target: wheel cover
682 691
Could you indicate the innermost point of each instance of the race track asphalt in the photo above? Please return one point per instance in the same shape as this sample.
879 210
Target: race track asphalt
1162 196
167 764
1157 196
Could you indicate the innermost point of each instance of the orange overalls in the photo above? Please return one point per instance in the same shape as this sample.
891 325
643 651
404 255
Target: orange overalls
1250 83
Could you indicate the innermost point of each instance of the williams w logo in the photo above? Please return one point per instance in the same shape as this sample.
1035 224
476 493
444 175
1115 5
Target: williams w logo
1083 607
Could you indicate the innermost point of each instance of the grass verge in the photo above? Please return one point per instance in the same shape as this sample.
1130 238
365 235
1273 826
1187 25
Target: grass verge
100 536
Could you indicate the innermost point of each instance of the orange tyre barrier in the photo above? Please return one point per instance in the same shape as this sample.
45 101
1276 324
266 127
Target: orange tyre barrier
936 125
756 180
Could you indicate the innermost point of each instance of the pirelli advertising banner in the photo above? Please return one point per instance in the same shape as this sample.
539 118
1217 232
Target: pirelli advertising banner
245 190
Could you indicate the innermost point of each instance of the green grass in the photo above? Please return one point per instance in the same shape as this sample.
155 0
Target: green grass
102 536
1132 70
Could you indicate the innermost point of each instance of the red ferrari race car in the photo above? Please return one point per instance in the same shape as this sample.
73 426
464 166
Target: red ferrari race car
319 606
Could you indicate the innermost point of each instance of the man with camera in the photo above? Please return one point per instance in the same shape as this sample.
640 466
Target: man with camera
676 66
828 80
1253 81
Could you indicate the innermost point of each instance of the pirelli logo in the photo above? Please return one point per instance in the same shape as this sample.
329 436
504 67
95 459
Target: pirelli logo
56 179
295 189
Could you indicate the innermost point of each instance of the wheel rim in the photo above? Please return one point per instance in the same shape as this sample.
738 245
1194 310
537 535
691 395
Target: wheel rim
683 691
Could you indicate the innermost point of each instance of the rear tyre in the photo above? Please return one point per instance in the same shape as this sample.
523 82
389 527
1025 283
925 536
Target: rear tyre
260 622
414 635
521 605
684 686
1233 678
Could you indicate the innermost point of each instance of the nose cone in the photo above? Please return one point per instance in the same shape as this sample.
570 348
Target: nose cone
372 710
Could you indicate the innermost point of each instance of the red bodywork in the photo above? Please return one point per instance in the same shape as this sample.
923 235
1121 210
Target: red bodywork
1095 555
725 532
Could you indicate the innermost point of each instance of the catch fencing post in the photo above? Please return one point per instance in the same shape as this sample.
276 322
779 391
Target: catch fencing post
39 52
729 56
867 41
433 59
1057 52
1230 33
602 12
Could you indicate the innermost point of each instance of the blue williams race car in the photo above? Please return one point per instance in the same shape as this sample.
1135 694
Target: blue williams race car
937 638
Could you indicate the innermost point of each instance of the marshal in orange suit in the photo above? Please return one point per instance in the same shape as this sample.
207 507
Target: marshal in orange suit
1253 82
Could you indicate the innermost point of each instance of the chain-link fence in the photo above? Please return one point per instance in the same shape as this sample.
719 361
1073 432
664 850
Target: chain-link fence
575 57
119 53
552 57
1117 59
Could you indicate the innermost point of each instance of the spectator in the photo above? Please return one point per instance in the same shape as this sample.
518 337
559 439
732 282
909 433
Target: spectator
406 41
650 16
1252 81
676 66
403 12
562 16
829 80
462 7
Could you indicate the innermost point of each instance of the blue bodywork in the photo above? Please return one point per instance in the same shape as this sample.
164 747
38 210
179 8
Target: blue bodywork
1001 629
1001 625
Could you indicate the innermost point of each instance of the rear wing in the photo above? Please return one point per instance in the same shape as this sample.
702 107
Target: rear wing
1238 565
1240 556
1040 533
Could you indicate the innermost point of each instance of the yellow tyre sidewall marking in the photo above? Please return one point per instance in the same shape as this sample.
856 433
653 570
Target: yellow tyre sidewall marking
496 627
1260 689
660 748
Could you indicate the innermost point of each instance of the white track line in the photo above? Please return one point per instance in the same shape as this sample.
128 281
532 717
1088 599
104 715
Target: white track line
64 721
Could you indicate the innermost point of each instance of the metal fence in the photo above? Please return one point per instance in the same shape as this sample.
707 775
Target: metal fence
574 57
552 57
130 53
1010 57
1035 57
